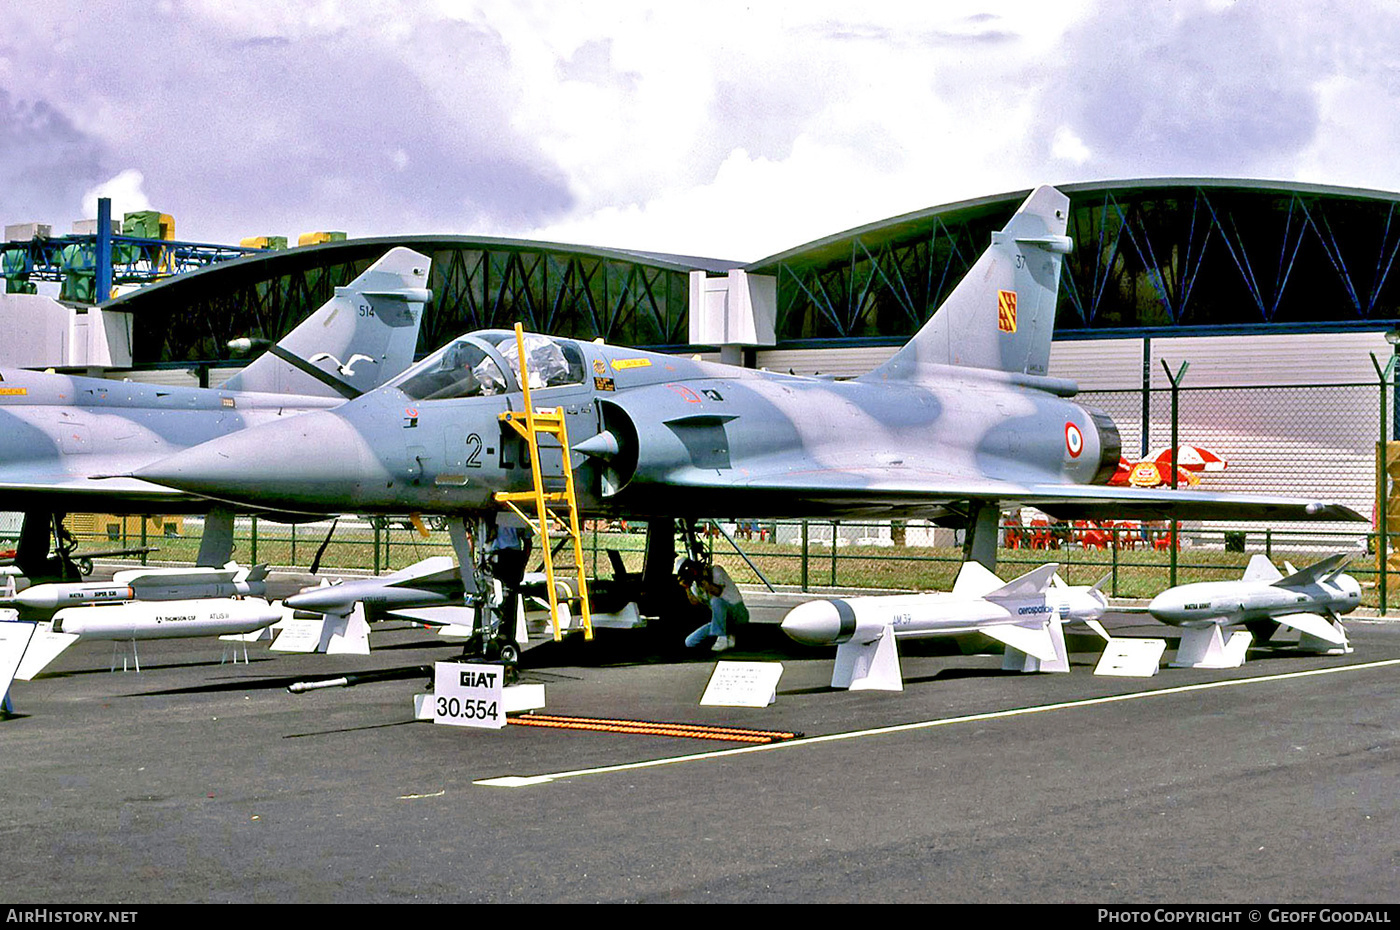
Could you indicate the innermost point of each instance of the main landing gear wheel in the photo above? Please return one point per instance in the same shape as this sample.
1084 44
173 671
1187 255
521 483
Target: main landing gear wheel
510 654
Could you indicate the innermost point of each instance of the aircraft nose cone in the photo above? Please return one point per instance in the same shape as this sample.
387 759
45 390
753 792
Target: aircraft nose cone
291 464
815 623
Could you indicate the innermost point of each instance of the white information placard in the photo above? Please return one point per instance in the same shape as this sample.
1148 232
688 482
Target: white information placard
468 694
743 684
298 636
1125 657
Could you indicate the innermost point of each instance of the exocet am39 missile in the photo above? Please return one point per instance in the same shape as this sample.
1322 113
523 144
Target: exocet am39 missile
1308 600
1026 614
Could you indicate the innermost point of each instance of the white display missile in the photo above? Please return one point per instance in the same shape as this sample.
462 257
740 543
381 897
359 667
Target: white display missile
432 582
143 584
1309 601
140 620
1025 614
214 616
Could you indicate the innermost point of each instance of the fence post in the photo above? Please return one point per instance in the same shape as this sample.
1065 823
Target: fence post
1114 547
1175 379
1382 483
804 555
144 518
253 556
375 523
833 553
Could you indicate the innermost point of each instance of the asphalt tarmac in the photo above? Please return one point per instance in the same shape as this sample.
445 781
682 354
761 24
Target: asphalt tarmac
196 781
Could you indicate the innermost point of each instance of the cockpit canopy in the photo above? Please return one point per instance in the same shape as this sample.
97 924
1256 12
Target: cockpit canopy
476 365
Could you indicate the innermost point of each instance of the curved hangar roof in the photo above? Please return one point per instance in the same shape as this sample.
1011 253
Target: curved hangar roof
628 297
1151 257
1165 256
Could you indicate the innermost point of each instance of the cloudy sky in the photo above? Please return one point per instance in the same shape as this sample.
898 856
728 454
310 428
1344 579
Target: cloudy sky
723 129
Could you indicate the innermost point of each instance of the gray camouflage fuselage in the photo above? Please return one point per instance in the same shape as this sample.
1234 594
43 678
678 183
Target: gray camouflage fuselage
692 438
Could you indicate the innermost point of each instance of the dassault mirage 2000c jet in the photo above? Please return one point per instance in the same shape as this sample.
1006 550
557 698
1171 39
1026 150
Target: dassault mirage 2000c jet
961 421
67 442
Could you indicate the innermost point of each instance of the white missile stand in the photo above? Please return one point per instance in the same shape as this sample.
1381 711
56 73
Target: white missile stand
1206 648
119 648
868 666
231 650
1015 660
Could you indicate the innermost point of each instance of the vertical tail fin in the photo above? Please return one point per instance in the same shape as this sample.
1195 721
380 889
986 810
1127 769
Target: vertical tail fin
1002 314
358 340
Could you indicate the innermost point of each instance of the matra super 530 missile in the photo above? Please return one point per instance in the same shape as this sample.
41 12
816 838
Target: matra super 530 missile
1026 614
1309 600
141 584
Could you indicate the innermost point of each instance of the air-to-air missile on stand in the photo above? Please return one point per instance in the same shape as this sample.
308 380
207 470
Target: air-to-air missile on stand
1309 600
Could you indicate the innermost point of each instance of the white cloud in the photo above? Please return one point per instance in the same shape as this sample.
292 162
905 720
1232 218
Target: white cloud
733 129
1067 146
125 192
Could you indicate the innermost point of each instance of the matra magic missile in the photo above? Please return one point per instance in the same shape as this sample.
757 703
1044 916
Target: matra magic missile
1025 614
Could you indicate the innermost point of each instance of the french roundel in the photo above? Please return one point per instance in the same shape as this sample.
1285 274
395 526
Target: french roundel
1074 440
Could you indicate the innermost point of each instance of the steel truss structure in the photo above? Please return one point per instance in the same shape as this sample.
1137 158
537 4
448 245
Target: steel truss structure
1150 256
477 284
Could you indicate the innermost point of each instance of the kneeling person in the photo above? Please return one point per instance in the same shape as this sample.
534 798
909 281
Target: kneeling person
713 584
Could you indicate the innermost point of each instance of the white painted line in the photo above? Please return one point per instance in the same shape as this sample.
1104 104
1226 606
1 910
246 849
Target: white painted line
525 781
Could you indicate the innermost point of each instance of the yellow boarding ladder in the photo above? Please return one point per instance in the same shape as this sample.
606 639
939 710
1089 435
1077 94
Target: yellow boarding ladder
530 424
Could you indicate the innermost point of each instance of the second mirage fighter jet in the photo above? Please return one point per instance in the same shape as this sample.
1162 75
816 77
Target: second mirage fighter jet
67 442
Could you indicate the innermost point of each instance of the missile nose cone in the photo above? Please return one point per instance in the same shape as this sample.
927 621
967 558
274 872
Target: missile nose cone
1167 607
315 600
815 623
290 463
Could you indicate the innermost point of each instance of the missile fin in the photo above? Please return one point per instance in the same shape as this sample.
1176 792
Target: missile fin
435 568
1261 569
1034 641
975 580
1315 572
1314 625
1036 581
44 647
